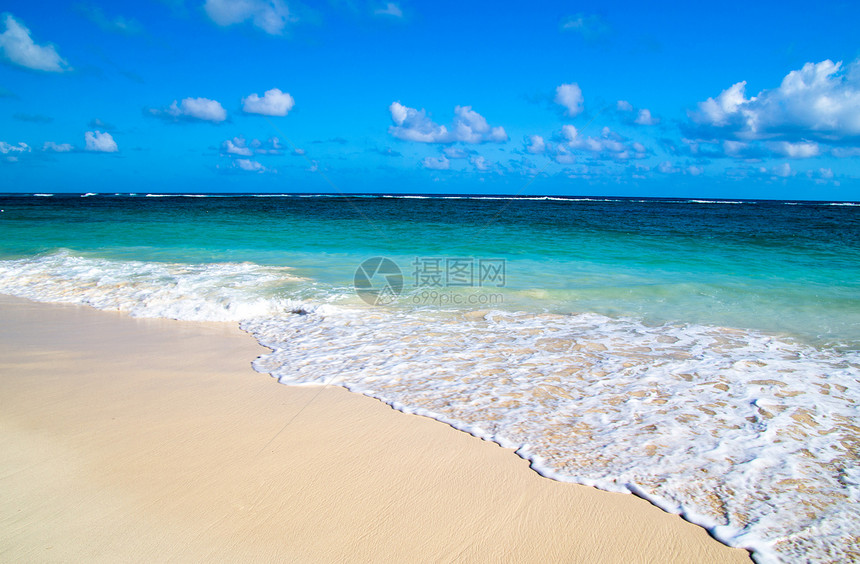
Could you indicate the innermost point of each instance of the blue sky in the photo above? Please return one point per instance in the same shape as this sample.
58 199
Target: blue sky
736 100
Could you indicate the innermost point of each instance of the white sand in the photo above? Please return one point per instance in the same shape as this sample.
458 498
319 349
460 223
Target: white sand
152 440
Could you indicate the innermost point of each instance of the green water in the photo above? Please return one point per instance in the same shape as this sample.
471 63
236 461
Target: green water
766 265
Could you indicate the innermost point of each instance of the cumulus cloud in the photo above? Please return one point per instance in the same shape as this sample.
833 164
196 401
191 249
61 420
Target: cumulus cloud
100 142
271 16
590 26
272 103
570 97
202 109
249 166
390 9
535 144
455 153
442 163
480 163
271 147
9 149
820 102
645 118
468 127
236 146
57 147
19 48
609 144
631 116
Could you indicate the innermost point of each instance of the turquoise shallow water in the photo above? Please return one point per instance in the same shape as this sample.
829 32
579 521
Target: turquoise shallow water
763 265
701 354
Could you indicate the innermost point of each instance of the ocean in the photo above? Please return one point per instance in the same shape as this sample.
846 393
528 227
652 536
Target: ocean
702 354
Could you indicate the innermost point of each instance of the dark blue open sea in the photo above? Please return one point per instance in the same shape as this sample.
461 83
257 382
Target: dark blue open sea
702 354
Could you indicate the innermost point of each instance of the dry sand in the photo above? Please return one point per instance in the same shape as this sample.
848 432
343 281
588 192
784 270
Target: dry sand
153 440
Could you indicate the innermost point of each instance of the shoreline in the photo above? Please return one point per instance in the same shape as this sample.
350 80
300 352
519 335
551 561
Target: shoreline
139 439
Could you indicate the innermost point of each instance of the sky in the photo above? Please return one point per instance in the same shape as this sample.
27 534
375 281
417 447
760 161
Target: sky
659 99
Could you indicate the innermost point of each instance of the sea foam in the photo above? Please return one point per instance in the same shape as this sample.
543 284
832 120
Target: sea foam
751 435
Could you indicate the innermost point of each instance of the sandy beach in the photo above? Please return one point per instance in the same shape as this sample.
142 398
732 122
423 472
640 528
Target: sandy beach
130 439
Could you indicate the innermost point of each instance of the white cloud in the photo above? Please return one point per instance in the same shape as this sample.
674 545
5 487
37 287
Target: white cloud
441 163
19 48
717 111
800 150
391 9
193 108
101 142
535 144
645 118
480 163
694 170
236 146
271 16
413 125
471 127
609 143
627 111
570 97
569 132
7 148
57 147
273 103
455 153
249 166
271 147
820 100
468 127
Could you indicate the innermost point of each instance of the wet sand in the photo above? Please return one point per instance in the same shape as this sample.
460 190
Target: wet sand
149 440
